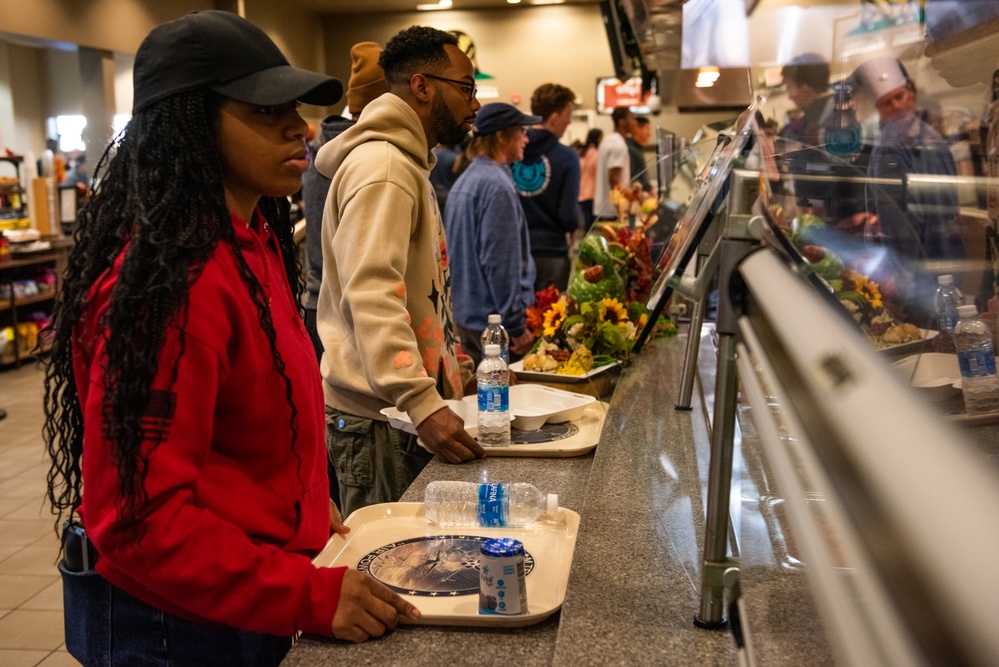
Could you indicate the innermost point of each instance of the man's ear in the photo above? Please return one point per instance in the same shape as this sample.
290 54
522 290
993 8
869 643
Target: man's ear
418 85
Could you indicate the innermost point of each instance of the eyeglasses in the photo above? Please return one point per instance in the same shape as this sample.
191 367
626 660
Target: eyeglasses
465 85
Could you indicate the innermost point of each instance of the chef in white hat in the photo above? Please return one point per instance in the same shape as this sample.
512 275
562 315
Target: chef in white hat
918 226
886 82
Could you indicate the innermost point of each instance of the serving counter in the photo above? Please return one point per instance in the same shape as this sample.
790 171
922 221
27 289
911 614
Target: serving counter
633 587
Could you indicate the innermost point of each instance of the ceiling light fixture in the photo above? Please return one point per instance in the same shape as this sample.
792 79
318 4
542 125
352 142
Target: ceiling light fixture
436 6
706 77
513 2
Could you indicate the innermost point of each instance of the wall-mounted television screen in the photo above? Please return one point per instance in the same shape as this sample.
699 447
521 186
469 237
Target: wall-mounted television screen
612 92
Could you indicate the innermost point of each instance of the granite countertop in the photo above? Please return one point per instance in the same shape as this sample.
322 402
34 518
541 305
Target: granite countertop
634 584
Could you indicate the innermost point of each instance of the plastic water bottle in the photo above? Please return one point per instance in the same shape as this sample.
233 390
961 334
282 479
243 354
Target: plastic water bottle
945 304
496 333
977 360
494 399
498 505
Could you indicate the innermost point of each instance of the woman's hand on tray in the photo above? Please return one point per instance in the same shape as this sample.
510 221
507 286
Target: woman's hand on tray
368 609
336 521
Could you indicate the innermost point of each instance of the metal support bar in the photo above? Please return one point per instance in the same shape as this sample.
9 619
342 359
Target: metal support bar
736 245
693 339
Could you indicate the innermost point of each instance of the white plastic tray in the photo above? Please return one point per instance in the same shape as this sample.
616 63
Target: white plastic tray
380 530
531 406
586 438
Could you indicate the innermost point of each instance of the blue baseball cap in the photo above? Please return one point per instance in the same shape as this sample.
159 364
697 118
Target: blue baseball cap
499 116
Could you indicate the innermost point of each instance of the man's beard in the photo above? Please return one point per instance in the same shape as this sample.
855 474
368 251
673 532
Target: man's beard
448 129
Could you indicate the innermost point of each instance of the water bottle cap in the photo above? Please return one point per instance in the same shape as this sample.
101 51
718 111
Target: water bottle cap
945 279
552 504
495 318
492 350
968 310
502 547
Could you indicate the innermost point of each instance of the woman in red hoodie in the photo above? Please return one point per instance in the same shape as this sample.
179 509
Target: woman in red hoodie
184 409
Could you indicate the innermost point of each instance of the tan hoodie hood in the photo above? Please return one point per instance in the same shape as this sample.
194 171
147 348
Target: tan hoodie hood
380 122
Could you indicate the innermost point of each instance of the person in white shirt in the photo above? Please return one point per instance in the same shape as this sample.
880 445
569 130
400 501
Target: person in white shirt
613 164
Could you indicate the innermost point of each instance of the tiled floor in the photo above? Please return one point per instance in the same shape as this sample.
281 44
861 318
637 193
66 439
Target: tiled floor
31 625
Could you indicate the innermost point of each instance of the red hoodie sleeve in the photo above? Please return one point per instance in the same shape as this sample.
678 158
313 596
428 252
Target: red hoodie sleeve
191 561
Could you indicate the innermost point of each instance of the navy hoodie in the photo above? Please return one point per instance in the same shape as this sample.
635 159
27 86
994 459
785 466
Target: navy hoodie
548 184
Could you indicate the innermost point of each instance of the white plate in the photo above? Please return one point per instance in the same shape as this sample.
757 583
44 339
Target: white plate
531 407
518 368
912 345
550 542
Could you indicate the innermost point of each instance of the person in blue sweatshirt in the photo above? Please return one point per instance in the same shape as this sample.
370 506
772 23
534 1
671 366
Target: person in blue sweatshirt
489 250
548 183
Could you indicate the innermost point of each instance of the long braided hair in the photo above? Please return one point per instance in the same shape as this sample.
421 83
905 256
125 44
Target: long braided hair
160 201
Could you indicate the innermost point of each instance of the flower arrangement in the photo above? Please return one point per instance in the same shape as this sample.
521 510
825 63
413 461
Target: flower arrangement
596 321
860 296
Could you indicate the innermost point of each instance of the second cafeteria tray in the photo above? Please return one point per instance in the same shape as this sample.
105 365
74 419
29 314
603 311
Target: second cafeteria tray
437 568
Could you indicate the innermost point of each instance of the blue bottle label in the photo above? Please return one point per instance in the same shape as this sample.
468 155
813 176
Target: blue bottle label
976 363
947 323
494 399
490 506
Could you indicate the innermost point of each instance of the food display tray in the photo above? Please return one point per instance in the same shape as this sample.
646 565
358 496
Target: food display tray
395 543
518 368
913 346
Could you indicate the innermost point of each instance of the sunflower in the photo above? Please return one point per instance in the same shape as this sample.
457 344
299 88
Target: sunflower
613 311
554 317
868 289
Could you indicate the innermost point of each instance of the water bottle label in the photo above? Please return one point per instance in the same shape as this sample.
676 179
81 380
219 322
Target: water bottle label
976 363
490 506
947 323
494 399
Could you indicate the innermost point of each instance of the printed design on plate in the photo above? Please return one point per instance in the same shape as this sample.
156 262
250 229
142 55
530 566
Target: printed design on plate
431 566
547 433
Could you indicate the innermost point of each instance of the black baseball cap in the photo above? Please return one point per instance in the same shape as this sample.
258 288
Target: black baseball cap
499 116
221 51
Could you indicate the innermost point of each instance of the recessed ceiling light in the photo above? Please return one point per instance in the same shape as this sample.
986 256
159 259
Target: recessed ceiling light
513 2
443 4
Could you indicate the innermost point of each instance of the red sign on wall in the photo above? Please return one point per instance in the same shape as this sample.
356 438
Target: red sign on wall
612 93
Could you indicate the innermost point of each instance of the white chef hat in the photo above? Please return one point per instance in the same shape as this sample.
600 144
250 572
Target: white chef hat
880 76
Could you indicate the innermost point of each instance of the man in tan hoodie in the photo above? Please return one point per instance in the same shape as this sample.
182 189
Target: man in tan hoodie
384 311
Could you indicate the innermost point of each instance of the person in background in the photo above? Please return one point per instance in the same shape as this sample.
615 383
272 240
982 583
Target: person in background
52 164
613 164
806 78
588 175
488 234
186 432
640 135
78 174
547 180
384 314
443 175
918 225
366 83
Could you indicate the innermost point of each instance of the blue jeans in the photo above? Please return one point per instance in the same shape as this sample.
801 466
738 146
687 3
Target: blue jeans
106 627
